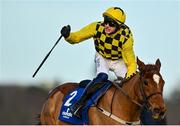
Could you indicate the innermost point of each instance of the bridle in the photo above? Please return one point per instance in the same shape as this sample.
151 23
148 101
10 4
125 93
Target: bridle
145 101
144 104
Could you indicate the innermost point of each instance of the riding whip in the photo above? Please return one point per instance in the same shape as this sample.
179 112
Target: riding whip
46 57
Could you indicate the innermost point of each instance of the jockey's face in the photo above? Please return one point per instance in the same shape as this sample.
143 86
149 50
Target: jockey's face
109 29
110 25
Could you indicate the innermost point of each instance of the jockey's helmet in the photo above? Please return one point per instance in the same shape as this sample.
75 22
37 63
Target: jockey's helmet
116 13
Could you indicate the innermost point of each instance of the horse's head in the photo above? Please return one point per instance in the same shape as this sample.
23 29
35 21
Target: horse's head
151 87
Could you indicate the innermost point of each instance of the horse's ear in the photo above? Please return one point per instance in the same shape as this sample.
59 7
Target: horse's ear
141 65
158 63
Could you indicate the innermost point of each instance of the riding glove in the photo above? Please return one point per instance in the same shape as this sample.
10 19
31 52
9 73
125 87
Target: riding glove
65 31
129 76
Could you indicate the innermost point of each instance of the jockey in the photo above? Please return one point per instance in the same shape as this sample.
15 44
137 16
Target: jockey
113 42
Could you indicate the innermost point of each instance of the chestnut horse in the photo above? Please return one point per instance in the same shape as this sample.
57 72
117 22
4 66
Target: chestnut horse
119 105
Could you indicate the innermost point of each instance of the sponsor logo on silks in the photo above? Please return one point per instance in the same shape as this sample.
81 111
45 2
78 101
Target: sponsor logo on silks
66 114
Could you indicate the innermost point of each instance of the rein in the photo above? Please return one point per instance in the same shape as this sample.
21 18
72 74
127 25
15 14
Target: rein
145 103
145 98
127 95
114 117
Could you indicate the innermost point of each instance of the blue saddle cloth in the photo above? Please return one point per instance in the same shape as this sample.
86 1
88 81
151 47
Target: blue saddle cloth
65 114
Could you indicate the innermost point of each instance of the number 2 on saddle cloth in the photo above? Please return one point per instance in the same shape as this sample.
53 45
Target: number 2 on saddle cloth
65 113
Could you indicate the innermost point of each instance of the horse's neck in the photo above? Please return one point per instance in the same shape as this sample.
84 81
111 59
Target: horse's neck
129 110
122 106
132 88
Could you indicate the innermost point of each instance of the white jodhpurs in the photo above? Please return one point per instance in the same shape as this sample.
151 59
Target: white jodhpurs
106 65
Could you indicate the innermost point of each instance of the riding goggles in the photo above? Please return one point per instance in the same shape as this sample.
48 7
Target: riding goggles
111 22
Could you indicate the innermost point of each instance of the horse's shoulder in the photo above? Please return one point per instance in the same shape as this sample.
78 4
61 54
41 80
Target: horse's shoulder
64 88
111 88
109 93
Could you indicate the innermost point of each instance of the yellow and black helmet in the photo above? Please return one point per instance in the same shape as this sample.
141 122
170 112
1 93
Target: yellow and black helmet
116 13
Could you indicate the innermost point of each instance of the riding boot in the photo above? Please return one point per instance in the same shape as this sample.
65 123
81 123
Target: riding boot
89 89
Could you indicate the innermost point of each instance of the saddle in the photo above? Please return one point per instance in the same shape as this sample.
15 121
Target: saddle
65 113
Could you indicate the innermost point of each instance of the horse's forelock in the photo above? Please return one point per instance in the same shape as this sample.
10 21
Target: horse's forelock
150 68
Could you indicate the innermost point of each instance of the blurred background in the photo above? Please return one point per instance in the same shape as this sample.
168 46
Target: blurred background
30 28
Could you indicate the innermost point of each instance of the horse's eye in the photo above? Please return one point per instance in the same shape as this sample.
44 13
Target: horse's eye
145 82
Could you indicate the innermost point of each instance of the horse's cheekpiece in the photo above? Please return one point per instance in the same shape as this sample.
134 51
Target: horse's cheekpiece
72 97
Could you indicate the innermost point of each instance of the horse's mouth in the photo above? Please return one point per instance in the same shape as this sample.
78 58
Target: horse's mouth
158 115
